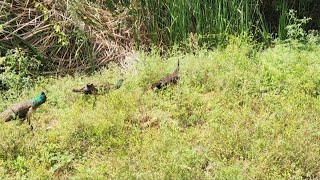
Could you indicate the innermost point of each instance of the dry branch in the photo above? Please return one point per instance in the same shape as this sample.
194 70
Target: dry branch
105 36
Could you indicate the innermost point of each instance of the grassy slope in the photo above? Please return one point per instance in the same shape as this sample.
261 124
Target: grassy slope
235 114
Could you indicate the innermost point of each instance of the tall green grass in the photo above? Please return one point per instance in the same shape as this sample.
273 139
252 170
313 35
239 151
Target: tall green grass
283 20
171 22
167 23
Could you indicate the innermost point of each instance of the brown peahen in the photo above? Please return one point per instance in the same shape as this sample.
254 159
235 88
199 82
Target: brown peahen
93 89
24 109
169 79
87 89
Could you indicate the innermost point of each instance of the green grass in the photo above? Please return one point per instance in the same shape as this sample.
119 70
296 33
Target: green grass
172 22
237 113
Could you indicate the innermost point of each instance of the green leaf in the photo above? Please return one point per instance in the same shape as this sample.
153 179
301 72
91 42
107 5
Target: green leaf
2 59
45 17
36 4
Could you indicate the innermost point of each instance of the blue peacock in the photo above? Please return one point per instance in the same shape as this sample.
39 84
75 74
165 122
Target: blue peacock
24 109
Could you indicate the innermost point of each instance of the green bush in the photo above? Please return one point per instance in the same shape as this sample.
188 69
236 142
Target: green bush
18 69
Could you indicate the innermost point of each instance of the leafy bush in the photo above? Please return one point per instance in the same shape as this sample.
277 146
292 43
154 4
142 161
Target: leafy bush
18 69
295 27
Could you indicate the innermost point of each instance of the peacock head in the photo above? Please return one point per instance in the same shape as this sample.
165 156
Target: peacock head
43 97
40 99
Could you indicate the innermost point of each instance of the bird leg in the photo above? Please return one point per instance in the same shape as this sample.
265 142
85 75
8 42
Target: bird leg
94 102
31 110
29 122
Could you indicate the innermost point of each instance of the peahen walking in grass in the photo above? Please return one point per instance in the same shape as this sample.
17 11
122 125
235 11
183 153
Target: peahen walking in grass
86 89
24 109
169 79
93 89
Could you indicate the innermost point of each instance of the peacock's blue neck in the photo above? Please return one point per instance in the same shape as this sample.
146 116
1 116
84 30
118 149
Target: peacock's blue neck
37 101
